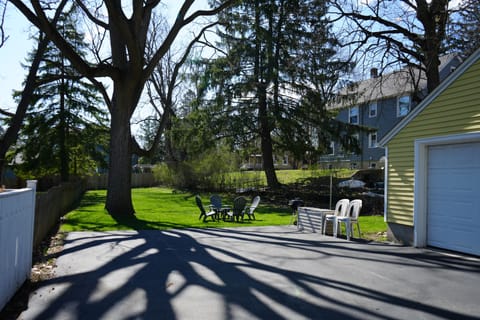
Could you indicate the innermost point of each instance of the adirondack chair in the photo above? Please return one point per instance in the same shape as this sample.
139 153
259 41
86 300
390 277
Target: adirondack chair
204 213
216 205
238 209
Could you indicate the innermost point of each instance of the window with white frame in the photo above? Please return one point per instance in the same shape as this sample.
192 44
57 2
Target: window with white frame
403 106
353 115
372 140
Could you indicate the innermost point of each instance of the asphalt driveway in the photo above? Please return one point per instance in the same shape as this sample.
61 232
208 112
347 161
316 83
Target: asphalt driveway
252 273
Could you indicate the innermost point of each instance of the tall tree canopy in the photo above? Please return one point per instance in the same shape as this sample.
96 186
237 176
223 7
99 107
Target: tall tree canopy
464 31
118 53
409 32
15 120
276 74
65 130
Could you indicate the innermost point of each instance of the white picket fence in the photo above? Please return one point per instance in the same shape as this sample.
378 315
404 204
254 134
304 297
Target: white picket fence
17 214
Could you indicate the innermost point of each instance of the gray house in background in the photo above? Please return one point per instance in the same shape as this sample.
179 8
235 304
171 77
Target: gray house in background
378 103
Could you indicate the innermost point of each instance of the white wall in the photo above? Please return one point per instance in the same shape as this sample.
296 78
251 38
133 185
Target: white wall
17 212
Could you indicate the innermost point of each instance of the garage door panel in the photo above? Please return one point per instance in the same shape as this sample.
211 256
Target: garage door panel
463 222
470 156
453 197
459 240
450 207
461 180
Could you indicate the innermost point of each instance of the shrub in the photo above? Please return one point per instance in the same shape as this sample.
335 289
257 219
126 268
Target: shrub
208 171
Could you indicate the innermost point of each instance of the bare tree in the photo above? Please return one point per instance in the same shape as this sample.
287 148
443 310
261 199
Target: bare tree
3 11
163 86
126 28
382 32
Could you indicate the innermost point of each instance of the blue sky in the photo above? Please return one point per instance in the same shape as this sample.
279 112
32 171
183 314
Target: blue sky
12 54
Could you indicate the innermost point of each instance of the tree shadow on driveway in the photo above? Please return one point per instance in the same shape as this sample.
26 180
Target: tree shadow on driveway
251 273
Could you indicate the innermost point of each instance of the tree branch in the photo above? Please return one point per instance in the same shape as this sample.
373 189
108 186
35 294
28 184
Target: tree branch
90 16
180 22
40 20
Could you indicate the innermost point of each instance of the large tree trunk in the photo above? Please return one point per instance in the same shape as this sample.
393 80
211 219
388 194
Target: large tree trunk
432 64
119 198
268 166
265 128
434 17
266 140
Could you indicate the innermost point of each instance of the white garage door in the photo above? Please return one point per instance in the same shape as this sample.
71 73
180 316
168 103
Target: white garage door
453 197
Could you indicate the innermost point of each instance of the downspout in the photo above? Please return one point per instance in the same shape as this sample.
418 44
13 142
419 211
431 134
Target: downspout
385 186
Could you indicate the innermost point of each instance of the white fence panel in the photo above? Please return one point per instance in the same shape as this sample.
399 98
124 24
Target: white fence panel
17 213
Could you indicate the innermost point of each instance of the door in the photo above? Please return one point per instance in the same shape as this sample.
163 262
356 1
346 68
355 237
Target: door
453 197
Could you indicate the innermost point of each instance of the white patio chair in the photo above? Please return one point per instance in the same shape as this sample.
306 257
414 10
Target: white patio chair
250 211
353 211
340 211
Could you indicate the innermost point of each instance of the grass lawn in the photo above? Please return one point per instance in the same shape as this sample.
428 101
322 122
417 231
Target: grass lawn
161 209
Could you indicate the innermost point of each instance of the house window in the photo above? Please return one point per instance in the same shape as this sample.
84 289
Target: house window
353 115
372 140
372 109
403 106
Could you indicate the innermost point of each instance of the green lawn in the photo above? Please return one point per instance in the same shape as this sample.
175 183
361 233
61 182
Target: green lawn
162 208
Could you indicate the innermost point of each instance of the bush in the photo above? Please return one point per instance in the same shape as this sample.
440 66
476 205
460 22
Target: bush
208 172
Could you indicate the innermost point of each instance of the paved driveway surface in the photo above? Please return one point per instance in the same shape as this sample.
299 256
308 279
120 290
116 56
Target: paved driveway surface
252 273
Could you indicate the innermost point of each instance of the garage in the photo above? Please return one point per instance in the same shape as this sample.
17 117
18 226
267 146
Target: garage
453 197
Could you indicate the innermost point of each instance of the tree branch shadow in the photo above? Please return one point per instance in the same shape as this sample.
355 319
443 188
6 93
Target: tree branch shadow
179 273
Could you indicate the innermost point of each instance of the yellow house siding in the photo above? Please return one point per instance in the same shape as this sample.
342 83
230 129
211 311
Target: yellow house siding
400 184
456 110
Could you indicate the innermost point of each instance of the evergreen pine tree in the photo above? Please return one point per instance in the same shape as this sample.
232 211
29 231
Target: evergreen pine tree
276 77
464 33
65 131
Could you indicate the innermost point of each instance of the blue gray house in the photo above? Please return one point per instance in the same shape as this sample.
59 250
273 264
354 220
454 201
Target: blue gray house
378 103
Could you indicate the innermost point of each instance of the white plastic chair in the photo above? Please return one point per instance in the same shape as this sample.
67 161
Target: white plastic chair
250 210
353 211
340 211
